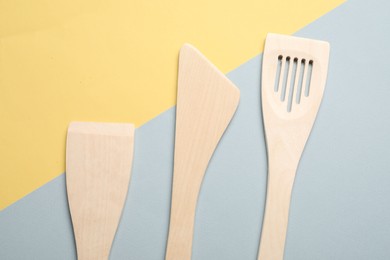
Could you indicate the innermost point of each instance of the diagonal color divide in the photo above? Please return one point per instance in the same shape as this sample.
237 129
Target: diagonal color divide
339 203
111 61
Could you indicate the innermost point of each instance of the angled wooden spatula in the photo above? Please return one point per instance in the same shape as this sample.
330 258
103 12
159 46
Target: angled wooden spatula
206 102
98 166
293 81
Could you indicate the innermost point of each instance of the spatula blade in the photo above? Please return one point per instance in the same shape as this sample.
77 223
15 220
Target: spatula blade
98 166
206 102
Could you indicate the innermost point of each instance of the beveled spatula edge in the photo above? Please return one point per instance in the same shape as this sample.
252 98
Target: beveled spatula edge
188 49
302 40
115 129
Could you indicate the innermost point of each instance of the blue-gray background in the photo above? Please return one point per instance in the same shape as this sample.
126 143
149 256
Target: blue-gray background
340 204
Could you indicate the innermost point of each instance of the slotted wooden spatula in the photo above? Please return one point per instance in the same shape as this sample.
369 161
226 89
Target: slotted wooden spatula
206 102
293 81
98 166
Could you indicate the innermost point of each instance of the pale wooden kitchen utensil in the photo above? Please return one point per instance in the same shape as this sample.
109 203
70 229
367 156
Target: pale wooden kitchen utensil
293 80
206 102
98 166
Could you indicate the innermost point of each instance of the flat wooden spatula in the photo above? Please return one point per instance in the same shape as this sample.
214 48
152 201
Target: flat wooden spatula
293 81
98 166
206 102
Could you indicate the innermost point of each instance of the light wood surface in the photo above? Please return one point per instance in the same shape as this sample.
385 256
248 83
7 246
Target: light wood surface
98 167
287 130
206 102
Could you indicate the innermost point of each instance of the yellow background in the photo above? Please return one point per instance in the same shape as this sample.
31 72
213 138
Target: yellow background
111 61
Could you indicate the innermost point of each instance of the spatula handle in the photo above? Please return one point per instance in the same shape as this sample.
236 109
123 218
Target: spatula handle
273 234
185 190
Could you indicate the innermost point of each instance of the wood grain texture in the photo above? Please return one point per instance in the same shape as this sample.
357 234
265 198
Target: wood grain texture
98 168
206 102
287 131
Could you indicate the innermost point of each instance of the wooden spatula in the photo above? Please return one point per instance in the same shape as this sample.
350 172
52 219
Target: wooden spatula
293 81
98 166
206 102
